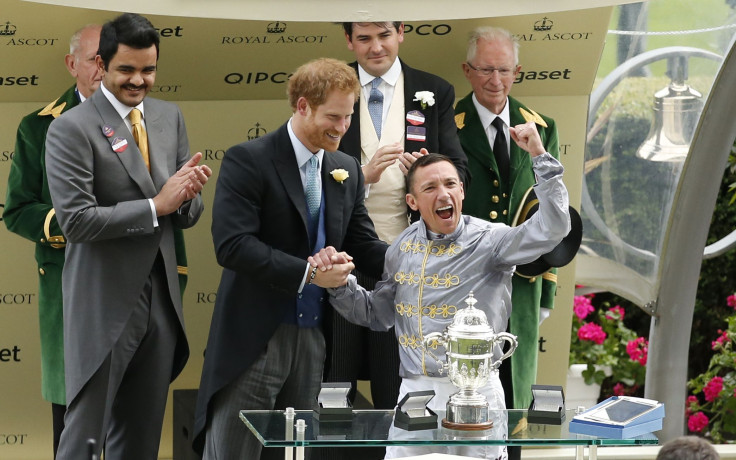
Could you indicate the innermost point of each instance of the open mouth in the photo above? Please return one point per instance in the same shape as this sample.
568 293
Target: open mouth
445 212
334 137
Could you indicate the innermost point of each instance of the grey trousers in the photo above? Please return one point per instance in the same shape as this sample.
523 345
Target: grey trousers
122 406
287 374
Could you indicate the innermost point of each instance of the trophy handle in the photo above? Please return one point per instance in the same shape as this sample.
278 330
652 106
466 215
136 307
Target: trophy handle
511 339
441 339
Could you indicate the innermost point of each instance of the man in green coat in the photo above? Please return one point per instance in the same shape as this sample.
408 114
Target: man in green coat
499 184
28 212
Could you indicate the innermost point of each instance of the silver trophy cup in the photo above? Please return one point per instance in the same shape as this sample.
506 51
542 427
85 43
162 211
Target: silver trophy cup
469 343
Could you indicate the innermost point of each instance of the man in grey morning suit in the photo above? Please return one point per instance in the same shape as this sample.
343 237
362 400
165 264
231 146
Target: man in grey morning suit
121 180
279 199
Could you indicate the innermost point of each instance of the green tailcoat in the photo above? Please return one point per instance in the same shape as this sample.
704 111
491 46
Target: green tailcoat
27 209
491 200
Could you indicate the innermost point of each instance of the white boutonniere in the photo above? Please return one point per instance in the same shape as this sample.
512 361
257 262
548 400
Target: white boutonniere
339 175
426 98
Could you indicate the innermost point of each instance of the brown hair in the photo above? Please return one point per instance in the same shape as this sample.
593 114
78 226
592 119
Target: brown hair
317 78
347 27
422 161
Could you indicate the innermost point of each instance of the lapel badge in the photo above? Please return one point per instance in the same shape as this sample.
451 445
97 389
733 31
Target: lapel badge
416 133
460 120
415 117
108 131
119 144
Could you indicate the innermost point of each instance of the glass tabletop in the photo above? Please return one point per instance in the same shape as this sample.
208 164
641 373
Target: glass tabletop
376 428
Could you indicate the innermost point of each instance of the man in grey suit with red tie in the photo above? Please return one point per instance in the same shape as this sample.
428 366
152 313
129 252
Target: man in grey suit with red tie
279 199
121 180
402 111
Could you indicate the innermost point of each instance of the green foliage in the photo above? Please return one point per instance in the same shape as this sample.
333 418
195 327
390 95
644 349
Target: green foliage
716 283
601 339
711 409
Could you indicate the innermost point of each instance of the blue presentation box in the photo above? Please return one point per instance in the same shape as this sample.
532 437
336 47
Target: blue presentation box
620 417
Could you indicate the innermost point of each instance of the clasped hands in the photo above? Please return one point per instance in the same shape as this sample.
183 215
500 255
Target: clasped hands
387 155
333 267
183 186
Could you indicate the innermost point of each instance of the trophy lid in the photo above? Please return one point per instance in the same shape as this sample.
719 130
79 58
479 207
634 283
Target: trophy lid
470 319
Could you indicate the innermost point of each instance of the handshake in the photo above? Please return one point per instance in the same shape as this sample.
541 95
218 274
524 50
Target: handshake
330 269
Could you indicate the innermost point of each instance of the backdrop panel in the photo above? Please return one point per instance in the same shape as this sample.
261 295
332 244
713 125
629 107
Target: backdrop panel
338 10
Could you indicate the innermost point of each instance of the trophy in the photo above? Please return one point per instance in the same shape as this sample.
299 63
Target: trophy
469 343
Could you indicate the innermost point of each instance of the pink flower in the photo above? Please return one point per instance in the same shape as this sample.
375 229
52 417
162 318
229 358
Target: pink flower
616 312
592 332
721 340
697 422
713 388
582 306
691 404
638 350
619 390
731 301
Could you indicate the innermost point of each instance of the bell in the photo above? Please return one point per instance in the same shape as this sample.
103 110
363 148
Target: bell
676 111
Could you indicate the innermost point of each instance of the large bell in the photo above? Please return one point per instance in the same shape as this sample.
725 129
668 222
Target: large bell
676 111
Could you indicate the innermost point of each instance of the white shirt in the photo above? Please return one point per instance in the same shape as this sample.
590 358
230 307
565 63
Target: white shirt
386 87
487 117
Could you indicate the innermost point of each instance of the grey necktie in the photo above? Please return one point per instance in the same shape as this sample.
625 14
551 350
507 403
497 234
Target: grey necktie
314 195
375 105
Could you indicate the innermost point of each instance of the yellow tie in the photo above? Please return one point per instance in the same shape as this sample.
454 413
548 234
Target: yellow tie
140 136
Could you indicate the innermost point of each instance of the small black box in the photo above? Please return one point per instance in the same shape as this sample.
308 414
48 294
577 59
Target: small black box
548 405
333 404
412 413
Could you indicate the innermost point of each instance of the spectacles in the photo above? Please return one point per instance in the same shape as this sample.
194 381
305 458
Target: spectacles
488 71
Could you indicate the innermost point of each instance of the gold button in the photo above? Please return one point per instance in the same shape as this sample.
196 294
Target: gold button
43 240
505 195
532 279
495 198
494 214
42 271
505 211
495 183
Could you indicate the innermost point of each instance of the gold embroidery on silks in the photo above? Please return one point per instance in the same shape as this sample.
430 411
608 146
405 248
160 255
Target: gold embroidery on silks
408 278
422 279
413 342
444 311
446 281
409 310
413 247
439 250
419 302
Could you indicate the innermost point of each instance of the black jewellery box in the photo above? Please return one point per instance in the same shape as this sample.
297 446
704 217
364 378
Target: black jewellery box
412 413
333 404
548 405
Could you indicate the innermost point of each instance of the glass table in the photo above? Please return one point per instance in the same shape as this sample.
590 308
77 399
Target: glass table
298 429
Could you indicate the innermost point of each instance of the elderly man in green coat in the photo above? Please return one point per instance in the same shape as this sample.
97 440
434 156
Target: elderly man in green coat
502 174
28 212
